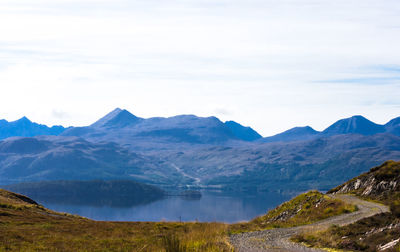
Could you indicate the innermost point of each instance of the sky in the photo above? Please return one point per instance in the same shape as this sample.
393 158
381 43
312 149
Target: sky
268 64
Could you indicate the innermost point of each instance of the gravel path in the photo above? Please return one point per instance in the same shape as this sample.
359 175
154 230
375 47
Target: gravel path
278 239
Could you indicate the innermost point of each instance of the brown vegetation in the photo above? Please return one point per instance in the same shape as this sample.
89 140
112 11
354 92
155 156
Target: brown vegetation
304 209
381 184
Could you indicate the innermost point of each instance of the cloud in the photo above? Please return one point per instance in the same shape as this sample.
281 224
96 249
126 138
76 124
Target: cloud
274 64
59 114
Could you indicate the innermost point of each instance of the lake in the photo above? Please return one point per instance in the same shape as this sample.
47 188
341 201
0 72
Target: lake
212 206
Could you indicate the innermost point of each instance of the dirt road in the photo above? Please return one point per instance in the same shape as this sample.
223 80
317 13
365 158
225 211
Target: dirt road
278 239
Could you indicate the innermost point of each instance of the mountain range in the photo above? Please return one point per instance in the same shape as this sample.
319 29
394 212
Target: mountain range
193 151
24 127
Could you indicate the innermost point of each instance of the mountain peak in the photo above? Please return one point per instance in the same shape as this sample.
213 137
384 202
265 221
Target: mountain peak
23 119
116 118
354 125
293 134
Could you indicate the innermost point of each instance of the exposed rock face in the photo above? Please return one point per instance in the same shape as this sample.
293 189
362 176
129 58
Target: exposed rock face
379 183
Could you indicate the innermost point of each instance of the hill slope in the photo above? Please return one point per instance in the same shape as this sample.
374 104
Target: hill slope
71 158
376 233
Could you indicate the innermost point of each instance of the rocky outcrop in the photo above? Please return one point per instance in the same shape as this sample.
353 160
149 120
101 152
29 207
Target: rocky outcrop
378 183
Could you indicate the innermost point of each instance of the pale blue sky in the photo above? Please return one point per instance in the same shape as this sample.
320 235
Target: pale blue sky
269 64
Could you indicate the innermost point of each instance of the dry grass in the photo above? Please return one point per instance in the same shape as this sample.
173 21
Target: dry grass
364 235
304 209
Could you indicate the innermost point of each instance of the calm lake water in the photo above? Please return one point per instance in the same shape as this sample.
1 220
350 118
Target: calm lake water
212 206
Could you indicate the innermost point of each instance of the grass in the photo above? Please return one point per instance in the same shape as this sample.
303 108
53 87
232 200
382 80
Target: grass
27 226
368 233
304 209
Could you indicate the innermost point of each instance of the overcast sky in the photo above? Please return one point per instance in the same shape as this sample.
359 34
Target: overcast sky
268 64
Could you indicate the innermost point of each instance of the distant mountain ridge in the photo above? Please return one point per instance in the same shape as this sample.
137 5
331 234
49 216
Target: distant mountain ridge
352 125
189 129
25 128
192 151
161 133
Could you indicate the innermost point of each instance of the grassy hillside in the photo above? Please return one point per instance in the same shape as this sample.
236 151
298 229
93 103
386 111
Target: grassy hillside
382 184
304 209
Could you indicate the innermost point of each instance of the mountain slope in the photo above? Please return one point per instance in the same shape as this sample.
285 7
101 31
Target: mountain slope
241 132
24 127
156 133
314 164
354 125
393 126
294 134
117 118
71 158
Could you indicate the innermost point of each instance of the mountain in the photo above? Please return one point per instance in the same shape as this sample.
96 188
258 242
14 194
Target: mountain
312 164
187 150
117 118
393 126
71 158
24 127
241 132
294 134
161 133
354 125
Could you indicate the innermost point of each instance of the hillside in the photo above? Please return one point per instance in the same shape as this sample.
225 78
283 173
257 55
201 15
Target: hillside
380 232
314 164
160 133
303 209
71 158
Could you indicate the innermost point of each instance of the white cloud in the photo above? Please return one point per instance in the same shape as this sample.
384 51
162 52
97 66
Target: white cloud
271 64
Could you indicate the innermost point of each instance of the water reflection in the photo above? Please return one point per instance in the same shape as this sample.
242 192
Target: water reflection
212 206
